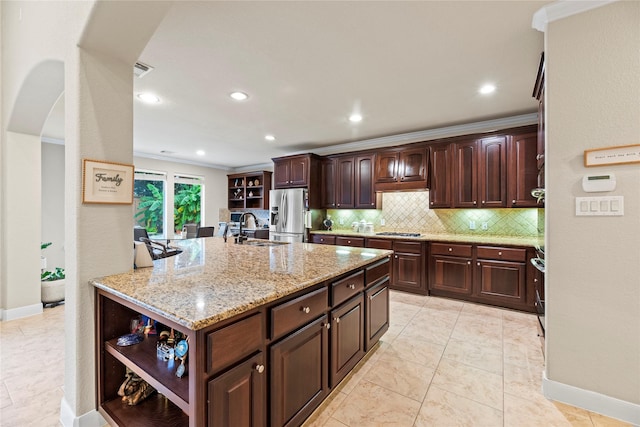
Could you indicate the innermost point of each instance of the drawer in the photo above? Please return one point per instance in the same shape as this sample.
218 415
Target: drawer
347 287
407 247
376 271
380 244
292 314
350 241
323 239
234 342
451 249
506 254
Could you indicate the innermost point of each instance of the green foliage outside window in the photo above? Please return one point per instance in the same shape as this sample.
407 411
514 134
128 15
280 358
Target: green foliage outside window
150 209
186 205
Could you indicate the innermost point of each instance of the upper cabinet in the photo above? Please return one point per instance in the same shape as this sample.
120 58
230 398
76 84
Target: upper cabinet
293 171
492 176
249 190
522 170
538 93
401 169
440 164
347 182
465 174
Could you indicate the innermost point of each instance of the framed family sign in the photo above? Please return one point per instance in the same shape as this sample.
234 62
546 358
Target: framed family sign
612 155
107 182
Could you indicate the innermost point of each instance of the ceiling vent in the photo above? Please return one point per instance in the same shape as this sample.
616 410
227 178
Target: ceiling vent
140 69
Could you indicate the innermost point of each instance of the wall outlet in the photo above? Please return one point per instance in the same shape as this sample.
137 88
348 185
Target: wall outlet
485 225
382 221
472 225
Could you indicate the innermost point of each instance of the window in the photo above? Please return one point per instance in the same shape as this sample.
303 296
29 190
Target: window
149 201
188 195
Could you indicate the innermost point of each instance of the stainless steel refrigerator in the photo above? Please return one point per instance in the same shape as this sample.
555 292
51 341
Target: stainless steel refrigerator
288 214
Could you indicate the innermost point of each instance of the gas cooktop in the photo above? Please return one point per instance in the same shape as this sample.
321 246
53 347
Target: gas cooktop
394 233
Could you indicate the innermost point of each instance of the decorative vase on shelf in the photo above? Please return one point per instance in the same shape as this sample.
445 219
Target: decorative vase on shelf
256 182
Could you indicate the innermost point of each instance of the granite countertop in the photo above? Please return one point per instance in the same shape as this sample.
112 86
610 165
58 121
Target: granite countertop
212 280
452 238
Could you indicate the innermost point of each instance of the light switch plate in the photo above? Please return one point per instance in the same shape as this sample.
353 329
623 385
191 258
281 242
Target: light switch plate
600 206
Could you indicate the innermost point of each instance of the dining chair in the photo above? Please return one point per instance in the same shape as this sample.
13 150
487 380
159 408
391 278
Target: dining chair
191 229
139 233
205 232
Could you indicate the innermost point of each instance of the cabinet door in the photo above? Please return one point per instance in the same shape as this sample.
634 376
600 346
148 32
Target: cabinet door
376 312
237 397
386 167
347 338
299 373
522 170
299 172
407 271
344 179
281 173
450 274
501 282
440 176
327 178
492 172
465 174
413 165
365 194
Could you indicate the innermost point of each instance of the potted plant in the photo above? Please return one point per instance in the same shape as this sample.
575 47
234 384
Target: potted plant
52 282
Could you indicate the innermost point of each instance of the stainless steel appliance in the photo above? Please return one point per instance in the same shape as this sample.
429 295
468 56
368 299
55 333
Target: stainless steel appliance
538 263
288 215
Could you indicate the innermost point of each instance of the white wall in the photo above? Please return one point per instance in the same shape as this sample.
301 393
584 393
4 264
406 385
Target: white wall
593 263
215 186
52 211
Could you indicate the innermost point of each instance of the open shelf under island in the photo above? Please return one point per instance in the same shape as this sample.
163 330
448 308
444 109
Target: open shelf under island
255 318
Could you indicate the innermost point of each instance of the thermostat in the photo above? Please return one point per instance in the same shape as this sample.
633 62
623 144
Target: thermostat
597 183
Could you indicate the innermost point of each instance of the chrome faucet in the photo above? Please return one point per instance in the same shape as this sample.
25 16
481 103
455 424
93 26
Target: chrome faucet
240 237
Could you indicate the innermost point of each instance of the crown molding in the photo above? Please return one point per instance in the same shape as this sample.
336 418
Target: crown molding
563 9
186 162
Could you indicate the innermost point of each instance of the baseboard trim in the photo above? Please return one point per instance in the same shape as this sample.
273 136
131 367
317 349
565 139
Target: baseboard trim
591 401
17 313
90 419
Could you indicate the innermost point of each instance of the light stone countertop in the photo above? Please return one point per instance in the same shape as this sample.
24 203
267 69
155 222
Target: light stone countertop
212 280
447 238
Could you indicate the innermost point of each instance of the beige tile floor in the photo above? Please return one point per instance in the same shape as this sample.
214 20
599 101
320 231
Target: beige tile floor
442 363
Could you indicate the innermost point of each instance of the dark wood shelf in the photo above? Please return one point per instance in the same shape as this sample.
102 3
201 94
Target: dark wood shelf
142 358
156 410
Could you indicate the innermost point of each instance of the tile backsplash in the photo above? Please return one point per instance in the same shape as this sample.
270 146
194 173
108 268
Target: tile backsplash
409 211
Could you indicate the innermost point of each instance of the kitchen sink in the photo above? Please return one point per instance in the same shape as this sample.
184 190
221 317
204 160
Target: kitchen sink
259 242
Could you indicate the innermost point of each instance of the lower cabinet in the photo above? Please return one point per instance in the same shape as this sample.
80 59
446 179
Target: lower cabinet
299 373
377 312
237 398
450 269
347 337
501 276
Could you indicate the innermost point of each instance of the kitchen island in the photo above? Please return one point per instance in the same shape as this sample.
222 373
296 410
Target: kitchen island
271 330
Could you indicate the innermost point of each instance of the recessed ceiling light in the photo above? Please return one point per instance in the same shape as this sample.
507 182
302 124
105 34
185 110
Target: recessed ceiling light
487 89
149 98
355 118
270 137
200 152
239 96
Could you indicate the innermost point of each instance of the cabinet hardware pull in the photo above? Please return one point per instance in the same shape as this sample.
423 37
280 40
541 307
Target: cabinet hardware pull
535 280
478 264
348 241
337 319
450 249
351 286
475 203
396 257
259 368
500 253
431 202
483 202
306 310
513 202
327 325
469 262
338 204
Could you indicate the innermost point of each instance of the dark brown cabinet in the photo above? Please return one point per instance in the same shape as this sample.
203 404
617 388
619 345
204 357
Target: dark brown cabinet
323 239
440 188
291 172
344 182
492 172
450 269
347 337
249 190
522 170
465 174
538 93
377 312
238 397
401 169
347 182
500 276
299 373
350 241
408 267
